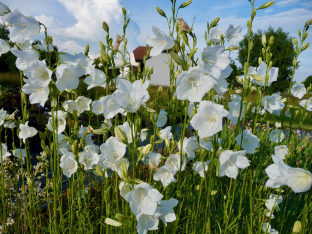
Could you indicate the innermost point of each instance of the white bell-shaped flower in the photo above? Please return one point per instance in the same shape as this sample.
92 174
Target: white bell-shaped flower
164 174
280 151
298 90
249 142
20 154
69 166
43 46
274 136
233 34
162 118
230 162
38 93
147 223
154 158
24 28
3 9
26 131
198 167
83 104
215 34
235 110
262 72
97 78
113 150
165 209
25 58
38 72
165 133
159 42
4 47
89 159
299 180
60 125
306 103
143 198
213 60
208 119
4 152
174 163
189 146
69 106
68 76
193 84
272 103
130 96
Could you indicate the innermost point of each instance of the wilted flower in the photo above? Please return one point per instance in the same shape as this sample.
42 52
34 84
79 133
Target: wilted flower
159 42
230 162
298 90
208 119
26 131
249 142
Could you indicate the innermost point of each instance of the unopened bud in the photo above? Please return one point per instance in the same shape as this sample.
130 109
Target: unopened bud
161 12
297 227
99 172
102 45
294 40
112 222
271 40
29 182
253 14
105 26
306 45
54 102
259 60
233 48
299 33
87 49
239 80
238 91
124 11
192 53
104 57
266 5
159 91
214 23
305 35
263 40
122 137
176 58
308 23
49 40
120 217
185 4
249 25
294 63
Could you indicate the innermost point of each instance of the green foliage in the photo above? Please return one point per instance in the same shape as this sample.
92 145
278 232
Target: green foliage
283 53
308 81
7 61
232 78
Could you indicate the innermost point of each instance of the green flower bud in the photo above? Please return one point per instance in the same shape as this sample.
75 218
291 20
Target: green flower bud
299 33
266 5
308 23
294 63
159 91
306 46
176 58
256 77
271 40
49 40
259 60
104 56
120 217
249 25
185 4
122 137
99 171
297 227
100 131
105 26
215 22
193 51
294 40
253 14
112 222
87 50
233 48
124 11
161 12
263 40
305 35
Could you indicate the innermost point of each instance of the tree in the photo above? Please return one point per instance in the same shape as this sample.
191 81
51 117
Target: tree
7 61
283 54
308 81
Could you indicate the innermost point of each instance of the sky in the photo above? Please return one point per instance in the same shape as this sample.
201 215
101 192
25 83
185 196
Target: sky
75 23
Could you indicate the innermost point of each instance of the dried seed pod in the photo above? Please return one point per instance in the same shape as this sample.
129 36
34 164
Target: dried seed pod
117 42
183 26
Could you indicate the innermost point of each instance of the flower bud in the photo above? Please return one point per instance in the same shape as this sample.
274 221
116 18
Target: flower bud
104 57
176 58
54 102
100 131
29 182
239 80
185 4
299 33
124 11
263 40
87 50
159 91
161 12
259 60
193 51
308 23
238 91
233 48
266 5
249 25
102 45
294 40
105 26
112 222
120 217
122 137
49 40
214 23
297 227
271 40
253 14
305 35
263 51
99 171
294 63
306 45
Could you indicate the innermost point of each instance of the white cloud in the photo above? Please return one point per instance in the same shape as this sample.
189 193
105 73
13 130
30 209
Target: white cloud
285 3
268 10
48 21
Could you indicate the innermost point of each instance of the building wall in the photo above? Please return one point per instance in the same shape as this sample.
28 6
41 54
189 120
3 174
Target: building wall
160 76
